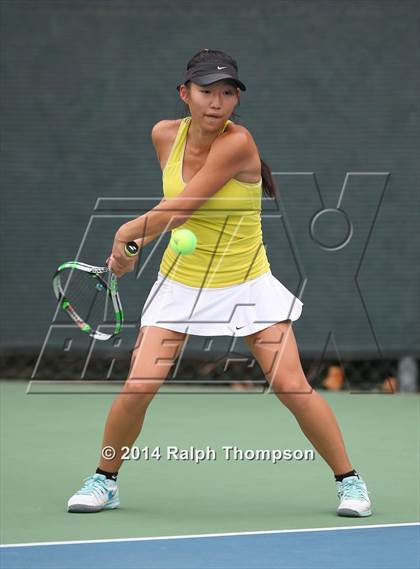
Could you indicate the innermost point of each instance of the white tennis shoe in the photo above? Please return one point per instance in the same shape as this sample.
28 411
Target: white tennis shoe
354 498
97 493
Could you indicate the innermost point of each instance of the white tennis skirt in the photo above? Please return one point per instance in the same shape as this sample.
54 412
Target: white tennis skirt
237 310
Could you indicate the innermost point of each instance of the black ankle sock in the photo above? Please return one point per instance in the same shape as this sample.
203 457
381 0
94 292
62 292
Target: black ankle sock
109 475
339 477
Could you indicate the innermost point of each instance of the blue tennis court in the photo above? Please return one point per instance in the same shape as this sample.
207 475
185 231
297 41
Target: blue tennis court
372 547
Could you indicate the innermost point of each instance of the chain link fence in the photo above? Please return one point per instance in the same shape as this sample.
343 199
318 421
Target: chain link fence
386 375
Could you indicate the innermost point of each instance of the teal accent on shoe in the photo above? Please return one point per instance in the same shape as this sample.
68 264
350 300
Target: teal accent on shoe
352 488
91 483
111 504
96 484
354 498
97 493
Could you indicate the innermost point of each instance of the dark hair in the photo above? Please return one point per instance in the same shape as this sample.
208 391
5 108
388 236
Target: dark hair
268 184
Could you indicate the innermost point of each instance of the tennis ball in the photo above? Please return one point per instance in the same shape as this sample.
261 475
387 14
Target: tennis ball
183 241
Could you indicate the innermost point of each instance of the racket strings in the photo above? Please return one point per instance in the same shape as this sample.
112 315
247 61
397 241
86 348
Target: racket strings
88 296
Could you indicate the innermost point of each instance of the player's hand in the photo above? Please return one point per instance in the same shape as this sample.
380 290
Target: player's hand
118 262
119 269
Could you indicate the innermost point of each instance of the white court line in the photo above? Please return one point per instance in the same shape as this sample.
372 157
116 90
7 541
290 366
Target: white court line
200 535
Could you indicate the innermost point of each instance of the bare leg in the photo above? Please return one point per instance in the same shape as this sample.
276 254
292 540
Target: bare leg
276 352
155 352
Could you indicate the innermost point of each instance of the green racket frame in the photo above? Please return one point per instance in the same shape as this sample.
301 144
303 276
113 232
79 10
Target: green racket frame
111 287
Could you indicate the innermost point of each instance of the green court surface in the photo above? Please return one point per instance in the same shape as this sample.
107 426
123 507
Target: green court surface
50 442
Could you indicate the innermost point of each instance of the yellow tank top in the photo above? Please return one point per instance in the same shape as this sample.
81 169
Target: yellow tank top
229 248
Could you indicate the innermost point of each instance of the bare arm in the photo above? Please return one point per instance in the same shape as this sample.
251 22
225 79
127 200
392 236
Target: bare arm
127 264
227 157
143 241
162 137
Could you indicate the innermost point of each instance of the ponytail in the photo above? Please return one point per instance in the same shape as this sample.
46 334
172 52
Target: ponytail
268 183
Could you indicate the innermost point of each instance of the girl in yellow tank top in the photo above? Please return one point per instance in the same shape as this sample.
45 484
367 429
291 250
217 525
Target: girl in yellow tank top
218 199
229 248
221 203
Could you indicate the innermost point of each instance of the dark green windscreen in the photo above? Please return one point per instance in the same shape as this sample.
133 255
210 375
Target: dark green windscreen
332 102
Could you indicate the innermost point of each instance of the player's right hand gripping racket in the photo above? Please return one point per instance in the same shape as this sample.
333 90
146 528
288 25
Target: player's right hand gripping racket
90 296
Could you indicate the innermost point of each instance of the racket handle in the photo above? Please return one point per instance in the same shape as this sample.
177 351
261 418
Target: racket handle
131 249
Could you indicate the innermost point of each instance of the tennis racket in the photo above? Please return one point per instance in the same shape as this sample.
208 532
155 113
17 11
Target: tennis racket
89 295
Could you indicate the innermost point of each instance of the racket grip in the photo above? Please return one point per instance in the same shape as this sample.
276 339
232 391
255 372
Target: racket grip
131 249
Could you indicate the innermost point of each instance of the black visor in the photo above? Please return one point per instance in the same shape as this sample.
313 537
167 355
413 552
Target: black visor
208 73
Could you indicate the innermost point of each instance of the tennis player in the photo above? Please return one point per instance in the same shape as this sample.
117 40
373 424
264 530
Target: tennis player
213 178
